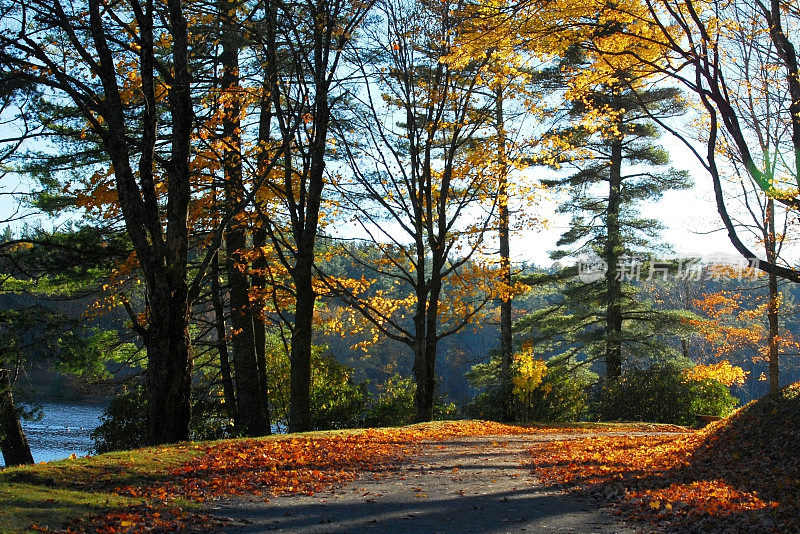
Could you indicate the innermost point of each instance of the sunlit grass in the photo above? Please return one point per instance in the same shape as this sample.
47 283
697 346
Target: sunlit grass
54 493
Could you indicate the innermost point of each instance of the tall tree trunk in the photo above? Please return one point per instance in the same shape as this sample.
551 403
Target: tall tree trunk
774 370
12 439
305 234
169 371
612 254
250 392
506 335
423 395
163 255
300 352
257 309
774 299
303 278
228 391
425 381
270 94
425 357
169 367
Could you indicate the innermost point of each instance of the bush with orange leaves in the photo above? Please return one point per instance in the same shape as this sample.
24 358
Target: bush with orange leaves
722 372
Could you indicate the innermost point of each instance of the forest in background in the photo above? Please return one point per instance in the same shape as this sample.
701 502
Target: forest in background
46 380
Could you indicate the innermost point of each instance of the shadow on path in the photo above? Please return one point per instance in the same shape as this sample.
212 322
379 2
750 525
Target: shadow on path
475 485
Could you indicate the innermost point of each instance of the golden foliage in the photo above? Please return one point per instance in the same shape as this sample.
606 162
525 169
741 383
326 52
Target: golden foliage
723 372
528 373
736 321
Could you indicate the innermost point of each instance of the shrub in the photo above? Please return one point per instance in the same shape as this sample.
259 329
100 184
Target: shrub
445 411
336 402
662 393
561 394
485 405
710 397
123 425
394 403
209 418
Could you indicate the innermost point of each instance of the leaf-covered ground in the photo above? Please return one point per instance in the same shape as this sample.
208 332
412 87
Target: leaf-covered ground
462 485
741 474
162 488
738 475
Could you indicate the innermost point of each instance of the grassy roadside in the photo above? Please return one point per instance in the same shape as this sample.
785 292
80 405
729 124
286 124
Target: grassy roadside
51 495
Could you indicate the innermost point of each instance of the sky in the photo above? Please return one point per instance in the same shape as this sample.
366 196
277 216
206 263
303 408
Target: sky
692 224
689 217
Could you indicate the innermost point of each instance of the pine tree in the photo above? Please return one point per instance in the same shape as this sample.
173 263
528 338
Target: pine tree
621 167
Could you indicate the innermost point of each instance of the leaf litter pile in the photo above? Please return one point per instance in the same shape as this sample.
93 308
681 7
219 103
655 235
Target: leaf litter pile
741 474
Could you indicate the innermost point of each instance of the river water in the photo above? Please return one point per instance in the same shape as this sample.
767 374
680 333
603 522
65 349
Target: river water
63 430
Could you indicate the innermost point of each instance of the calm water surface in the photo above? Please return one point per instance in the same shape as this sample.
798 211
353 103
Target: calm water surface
63 430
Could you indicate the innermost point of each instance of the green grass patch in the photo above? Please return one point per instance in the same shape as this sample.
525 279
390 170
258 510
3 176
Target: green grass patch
24 505
55 493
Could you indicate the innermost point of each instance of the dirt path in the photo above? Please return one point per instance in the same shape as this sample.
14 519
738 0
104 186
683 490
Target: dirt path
469 485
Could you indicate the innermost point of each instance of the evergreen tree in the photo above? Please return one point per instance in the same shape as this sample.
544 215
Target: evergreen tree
620 167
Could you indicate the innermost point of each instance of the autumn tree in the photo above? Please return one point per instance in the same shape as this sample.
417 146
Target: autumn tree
739 61
418 185
769 226
520 84
735 320
709 46
512 74
300 103
124 79
762 106
504 238
232 104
